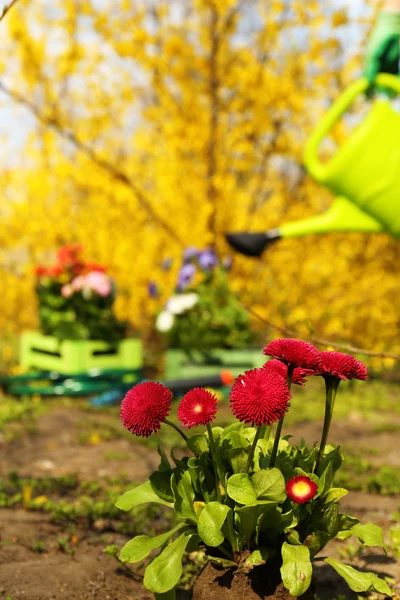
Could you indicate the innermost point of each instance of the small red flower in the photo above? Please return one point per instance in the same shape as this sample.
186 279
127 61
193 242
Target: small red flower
94 267
342 366
40 271
259 397
145 407
197 407
54 271
68 254
301 489
277 366
295 353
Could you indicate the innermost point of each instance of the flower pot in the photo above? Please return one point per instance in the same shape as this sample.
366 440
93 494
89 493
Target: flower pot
178 365
45 352
217 583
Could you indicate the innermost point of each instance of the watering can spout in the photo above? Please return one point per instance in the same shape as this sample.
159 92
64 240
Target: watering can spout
252 244
342 216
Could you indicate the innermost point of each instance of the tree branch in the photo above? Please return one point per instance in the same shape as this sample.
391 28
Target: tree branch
7 8
214 119
111 169
291 332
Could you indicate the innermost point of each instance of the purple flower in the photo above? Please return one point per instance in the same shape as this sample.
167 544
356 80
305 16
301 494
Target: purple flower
185 276
227 263
189 253
166 264
152 289
208 260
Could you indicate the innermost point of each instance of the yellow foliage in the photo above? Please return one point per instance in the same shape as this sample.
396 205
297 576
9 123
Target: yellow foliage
181 123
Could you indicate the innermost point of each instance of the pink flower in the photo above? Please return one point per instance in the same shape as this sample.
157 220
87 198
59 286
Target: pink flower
67 290
99 283
78 283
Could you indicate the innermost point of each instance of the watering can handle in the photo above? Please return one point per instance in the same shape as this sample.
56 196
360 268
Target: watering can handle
311 159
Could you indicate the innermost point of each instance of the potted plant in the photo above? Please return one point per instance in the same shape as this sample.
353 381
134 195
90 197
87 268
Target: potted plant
261 508
78 327
204 313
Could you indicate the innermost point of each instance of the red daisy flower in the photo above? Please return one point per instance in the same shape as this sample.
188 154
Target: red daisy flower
197 407
279 367
295 353
301 489
145 407
342 366
259 397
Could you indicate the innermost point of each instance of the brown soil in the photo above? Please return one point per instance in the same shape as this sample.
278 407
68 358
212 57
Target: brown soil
56 448
214 583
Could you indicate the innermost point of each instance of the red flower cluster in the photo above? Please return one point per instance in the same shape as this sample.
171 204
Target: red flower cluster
69 255
298 376
259 397
295 353
301 489
197 407
145 407
69 262
342 366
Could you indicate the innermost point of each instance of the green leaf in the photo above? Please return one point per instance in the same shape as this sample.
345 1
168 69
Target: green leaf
326 518
296 570
334 494
256 558
249 516
269 485
334 456
346 524
211 519
316 541
360 582
369 534
232 427
240 489
164 463
198 443
325 481
161 484
223 562
239 461
184 496
217 432
165 570
139 495
233 442
181 463
140 546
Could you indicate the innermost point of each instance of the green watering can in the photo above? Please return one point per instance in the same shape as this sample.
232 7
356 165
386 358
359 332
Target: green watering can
364 174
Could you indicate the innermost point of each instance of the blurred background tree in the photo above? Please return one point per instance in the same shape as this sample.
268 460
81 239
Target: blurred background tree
142 127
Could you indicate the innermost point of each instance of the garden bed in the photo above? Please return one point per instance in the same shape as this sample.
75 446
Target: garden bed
47 554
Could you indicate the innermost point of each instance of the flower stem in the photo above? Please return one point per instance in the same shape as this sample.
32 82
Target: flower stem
253 447
331 384
178 429
280 424
213 458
